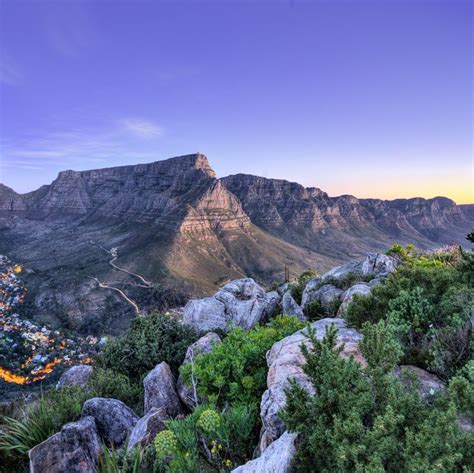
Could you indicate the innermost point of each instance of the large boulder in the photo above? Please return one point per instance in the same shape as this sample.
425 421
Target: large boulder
374 264
275 459
378 264
290 307
326 295
147 427
241 303
75 449
76 376
308 291
115 421
348 296
204 345
160 391
285 362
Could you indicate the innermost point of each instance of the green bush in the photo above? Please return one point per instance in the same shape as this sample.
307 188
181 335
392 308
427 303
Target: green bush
235 371
428 302
109 383
363 420
348 280
207 437
149 341
315 311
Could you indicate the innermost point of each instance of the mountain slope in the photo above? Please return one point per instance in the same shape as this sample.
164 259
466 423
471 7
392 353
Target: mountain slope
180 227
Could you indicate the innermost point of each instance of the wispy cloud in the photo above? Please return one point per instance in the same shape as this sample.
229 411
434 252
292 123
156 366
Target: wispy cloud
127 140
141 128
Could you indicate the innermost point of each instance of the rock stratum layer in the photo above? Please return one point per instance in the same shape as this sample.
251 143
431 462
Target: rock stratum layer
179 226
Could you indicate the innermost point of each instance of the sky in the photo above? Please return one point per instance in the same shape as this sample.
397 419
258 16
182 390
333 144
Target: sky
369 97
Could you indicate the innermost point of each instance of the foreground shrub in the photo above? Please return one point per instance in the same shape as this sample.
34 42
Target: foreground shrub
42 420
362 420
428 302
235 371
109 383
206 440
149 341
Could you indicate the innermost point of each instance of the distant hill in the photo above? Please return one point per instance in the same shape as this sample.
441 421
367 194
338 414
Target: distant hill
181 227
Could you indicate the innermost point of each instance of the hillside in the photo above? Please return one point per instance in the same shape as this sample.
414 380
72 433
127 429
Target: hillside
178 225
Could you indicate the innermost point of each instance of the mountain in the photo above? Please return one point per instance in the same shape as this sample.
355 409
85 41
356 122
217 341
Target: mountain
175 224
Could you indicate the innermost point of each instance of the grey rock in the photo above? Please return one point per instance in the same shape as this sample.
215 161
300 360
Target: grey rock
326 295
160 391
204 345
76 376
343 270
283 288
310 288
374 264
275 459
147 427
378 264
290 307
285 362
75 449
115 421
241 303
428 384
348 296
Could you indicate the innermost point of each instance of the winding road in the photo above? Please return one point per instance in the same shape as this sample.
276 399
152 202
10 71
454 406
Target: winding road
145 283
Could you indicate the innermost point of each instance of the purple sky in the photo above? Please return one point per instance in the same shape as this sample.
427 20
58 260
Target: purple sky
371 98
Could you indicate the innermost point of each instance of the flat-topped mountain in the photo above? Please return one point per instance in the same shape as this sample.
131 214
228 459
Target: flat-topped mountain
179 226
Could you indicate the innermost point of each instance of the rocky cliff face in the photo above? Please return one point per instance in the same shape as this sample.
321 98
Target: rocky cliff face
176 223
294 212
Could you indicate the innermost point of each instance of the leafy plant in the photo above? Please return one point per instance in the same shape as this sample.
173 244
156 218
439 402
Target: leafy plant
315 311
235 371
220 440
149 341
363 420
42 420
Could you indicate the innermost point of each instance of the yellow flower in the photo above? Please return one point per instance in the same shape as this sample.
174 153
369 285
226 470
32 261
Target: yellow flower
228 463
220 446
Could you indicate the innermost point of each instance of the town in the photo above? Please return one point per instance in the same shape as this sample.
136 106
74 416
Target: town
29 353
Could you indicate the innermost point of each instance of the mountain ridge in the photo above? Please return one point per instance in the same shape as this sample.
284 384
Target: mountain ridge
182 227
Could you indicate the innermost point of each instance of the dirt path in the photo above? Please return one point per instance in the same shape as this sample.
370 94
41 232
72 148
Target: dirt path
145 283
124 296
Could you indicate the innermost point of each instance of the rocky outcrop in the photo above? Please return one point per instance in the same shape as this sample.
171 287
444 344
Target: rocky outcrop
147 427
115 421
75 449
160 391
348 296
275 459
374 264
76 376
290 307
285 362
334 224
204 345
241 303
